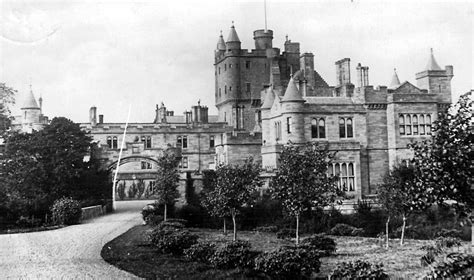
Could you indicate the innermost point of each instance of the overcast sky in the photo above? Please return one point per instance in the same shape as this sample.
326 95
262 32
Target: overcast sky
114 53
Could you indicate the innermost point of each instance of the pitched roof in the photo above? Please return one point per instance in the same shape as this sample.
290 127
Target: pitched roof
269 99
30 101
292 93
395 80
233 37
221 43
432 64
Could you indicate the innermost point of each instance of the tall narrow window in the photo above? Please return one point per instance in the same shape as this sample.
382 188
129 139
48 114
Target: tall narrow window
114 143
428 124
225 89
408 125
225 67
322 128
337 172
422 125
342 128
179 142
211 141
185 142
401 123
351 177
288 124
415 125
344 177
247 87
148 142
184 162
314 128
349 128
109 141
247 64
230 88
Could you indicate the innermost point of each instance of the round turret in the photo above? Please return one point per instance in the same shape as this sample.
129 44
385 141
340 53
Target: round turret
233 41
263 39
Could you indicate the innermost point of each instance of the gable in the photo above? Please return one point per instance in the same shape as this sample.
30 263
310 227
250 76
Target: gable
407 87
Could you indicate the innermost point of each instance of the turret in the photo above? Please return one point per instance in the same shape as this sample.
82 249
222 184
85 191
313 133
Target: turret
160 113
395 83
220 48
233 41
30 109
436 80
292 106
263 39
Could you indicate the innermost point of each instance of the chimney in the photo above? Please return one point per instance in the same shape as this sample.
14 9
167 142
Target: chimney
362 75
93 116
343 72
101 119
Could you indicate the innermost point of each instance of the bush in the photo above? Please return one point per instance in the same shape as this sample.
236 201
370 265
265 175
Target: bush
171 240
153 219
272 229
430 256
358 270
448 233
200 252
320 242
26 222
170 225
447 242
150 209
346 230
234 254
286 233
455 266
289 263
66 211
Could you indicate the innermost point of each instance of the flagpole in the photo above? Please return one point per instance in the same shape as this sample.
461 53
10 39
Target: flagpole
119 158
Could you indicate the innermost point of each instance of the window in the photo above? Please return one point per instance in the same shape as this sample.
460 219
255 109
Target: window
401 124
277 130
318 128
225 67
114 143
247 87
225 89
179 142
422 125
225 116
408 125
230 88
230 66
183 163
346 129
342 128
349 128
146 141
288 124
211 141
247 64
182 142
428 124
146 165
415 125
109 141
185 142
345 172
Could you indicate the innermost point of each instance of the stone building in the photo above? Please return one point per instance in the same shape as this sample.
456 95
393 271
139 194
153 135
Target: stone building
31 117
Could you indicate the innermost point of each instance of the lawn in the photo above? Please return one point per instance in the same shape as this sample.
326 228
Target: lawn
132 252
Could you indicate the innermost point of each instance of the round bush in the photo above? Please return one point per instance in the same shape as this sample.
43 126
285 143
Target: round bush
289 263
172 241
346 230
150 209
320 242
66 211
455 266
200 252
234 254
358 270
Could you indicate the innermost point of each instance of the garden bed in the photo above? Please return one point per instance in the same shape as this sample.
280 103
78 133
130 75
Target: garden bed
132 252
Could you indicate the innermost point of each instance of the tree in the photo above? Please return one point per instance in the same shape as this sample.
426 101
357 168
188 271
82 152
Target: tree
7 98
214 204
399 195
235 185
167 180
444 163
301 180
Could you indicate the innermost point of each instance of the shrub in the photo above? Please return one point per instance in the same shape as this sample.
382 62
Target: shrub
346 230
66 211
153 219
447 242
358 270
431 253
320 242
286 233
272 229
171 240
448 233
150 209
26 222
289 263
455 266
170 226
200 252
180 221
234 254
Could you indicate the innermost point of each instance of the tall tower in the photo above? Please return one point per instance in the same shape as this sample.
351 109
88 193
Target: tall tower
30 113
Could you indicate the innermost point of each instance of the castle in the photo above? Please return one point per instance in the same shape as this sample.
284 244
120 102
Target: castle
266 98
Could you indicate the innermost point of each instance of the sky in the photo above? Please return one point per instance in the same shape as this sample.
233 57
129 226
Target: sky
116 54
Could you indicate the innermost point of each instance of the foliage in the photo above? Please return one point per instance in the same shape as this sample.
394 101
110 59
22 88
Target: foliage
234 254
28 222
66 211
455 266
447 242
150 209
346 230
444 163
171 240
200 252
359 270
167 180
320 242
170 225
7 98
289 263
285 233
301 180
234 187
267 229
451 232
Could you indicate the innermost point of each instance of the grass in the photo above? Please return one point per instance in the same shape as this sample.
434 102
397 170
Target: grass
132 252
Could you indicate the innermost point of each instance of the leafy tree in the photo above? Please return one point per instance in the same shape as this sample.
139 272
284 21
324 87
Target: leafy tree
7 98
167 180
235 185
214 204
301 181
444 163
399 195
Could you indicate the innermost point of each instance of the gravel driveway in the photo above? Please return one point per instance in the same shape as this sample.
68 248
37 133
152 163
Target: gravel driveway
69 253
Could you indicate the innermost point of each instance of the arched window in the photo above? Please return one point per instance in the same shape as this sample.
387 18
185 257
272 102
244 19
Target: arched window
342 128
115 143
148 142
401 121
422 125
349 128
344 177
314 128
415 125
428 124
109 141
322 128
351 177
408 125
330 170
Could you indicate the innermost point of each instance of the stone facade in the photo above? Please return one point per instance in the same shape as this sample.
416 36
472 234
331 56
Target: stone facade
31 117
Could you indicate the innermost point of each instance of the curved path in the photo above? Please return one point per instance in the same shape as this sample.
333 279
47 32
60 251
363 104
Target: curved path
69 253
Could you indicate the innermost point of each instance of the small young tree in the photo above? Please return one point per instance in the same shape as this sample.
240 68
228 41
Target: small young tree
235 185
301 180
399 195
167 181
444 163
213 203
